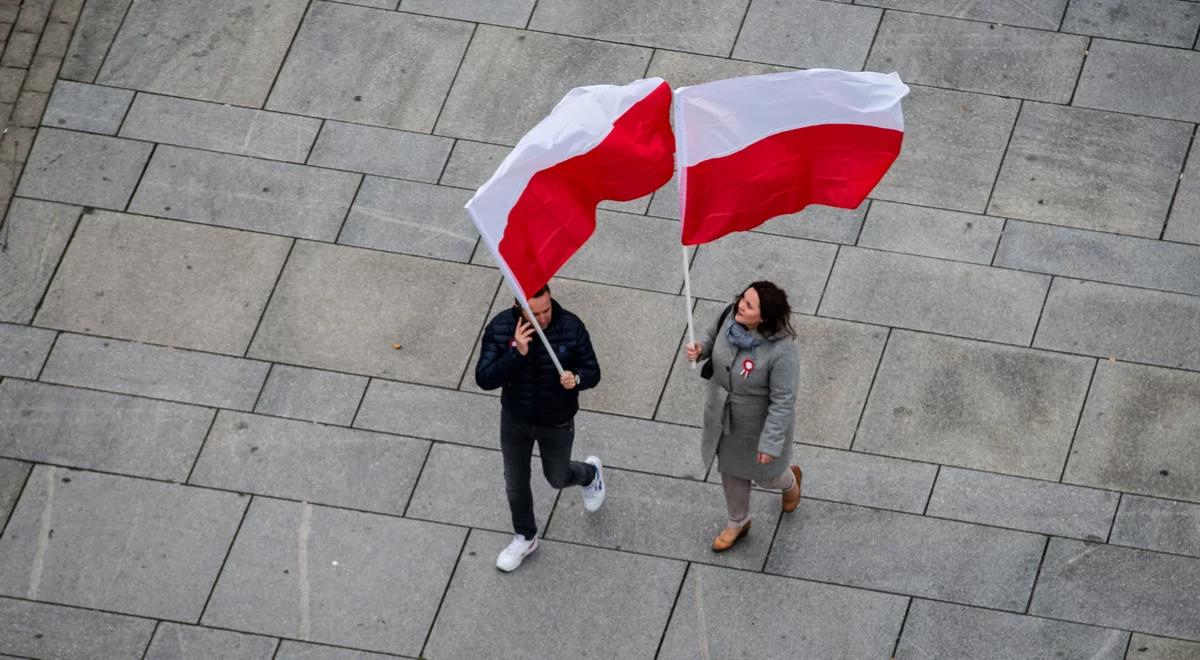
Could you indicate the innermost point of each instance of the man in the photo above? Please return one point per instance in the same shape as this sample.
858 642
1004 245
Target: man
539 405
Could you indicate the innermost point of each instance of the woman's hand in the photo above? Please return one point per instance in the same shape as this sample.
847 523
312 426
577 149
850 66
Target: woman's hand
763 459
693 351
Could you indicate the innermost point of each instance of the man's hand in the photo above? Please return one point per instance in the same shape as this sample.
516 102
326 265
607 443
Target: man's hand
763 459
693 351
524 333
567 379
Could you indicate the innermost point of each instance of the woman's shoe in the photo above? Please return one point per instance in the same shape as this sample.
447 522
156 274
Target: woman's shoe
729 537
791 498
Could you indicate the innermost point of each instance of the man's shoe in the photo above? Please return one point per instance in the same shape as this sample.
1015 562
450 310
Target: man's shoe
593 493
729 537
791 498
516 552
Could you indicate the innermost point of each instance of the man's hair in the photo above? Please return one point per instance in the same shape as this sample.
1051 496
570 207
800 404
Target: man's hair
536 294
774 308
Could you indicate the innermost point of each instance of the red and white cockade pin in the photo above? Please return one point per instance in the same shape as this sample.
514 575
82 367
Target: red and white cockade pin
747 367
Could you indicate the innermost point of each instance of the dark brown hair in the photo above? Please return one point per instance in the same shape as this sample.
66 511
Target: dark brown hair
774 308
536 294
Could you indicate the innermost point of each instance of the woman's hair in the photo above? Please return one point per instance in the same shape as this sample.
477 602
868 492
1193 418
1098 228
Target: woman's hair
774 308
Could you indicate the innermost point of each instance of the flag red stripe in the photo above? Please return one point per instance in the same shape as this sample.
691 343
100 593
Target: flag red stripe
830 164
556 213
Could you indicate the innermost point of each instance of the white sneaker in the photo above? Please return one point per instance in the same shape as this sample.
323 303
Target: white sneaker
516 552
593 493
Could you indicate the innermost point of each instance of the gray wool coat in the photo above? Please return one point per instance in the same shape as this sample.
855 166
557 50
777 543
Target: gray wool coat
743 416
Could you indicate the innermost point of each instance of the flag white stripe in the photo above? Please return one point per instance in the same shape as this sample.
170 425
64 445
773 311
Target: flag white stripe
723 117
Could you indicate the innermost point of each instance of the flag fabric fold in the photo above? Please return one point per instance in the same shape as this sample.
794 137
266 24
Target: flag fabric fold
756 147
600 142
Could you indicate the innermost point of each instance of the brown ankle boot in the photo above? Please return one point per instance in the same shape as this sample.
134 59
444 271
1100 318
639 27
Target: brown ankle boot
729 537
791 498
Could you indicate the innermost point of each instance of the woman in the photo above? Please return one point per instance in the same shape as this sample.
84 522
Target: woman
750 407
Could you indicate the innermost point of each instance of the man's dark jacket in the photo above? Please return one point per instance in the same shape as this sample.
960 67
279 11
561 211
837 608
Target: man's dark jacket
532 392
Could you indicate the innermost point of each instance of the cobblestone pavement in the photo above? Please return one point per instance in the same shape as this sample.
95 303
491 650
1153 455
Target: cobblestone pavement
240 299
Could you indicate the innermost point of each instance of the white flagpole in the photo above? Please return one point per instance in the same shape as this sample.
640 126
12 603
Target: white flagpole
687 293
681 158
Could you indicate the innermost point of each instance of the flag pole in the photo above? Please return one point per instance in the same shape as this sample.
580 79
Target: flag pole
687 293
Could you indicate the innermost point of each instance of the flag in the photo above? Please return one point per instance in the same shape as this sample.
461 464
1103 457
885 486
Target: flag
600 142
756 147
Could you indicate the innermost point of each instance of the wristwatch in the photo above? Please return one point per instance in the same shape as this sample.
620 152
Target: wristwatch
577 380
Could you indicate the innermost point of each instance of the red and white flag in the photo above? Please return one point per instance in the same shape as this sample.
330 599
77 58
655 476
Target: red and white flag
600 142
756 147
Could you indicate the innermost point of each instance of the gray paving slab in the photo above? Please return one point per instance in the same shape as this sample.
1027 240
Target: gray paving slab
23 350
1120 588
636 444
378 4
155 371
173 641
1089 169
513 13
1147 647
37 234
665 517
704 26
311 394
684 69
1184 223
978 57
1044 14
722 270
635 358
1145 80
1113 321
310 462
342 308
100 431
412 218
934 295
94 32
118 544
220 127
245 193
12 482
618 607
290 650
53 631
833 36
837 363
1100 256
857 478
1046 507
953 145
89 108
1156 524
974 405
1162 22
370 66
820 223
945 630
431 412
381 151
626 250
222 50
465 486
767 614
927 557
84 169
196 287
1124 441
511 79
471 164
317 574
931 232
